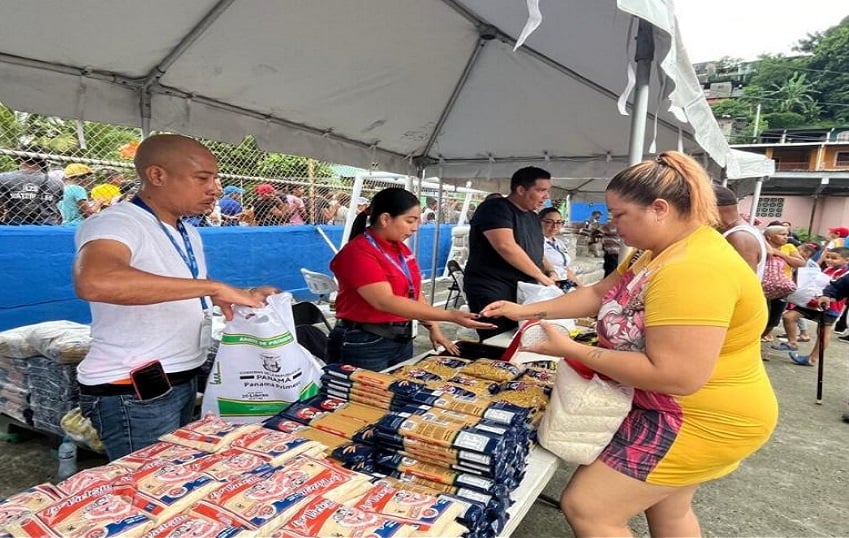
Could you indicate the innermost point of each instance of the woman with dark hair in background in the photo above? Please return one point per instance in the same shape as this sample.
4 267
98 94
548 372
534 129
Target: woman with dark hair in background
554 250
380 289
777 245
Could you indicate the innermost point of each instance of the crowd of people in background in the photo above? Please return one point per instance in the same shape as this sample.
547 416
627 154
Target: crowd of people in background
35 194
38 194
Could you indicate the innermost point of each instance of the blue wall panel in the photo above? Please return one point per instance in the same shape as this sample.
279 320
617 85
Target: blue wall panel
35 265
581 212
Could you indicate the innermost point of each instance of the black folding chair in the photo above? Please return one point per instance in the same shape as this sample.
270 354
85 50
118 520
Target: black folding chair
307 313
455 291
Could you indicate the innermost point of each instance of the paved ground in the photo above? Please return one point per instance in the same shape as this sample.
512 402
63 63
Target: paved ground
797 485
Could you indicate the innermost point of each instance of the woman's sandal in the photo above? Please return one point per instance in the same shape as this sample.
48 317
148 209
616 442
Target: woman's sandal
804 338
801 360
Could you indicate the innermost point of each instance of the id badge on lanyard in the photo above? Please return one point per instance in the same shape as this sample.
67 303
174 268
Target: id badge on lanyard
205 336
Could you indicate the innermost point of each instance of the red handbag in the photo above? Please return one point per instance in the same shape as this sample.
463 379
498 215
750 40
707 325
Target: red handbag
775 283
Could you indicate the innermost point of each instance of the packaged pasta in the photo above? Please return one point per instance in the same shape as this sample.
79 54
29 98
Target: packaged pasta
492 369
226 464
523 394
443 366
277 446
27 502
93 512
325 517
162 451
269 498
165 490
192 525
210 433
87 478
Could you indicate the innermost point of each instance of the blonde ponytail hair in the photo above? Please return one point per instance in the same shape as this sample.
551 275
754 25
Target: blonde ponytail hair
673 177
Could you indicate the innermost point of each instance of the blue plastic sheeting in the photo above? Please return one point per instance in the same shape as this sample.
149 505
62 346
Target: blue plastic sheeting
581 212
36 261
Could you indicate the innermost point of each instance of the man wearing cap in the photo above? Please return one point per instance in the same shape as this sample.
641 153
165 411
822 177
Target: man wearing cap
29 195
269 209
144 274
75 205
836 237
109 192
231 205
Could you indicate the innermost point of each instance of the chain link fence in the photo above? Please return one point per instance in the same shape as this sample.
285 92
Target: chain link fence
55 171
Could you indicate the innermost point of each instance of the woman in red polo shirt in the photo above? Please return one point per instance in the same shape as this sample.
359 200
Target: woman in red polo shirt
380 289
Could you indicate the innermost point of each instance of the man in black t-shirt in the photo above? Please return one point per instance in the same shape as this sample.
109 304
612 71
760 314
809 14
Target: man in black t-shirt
30 195
506 245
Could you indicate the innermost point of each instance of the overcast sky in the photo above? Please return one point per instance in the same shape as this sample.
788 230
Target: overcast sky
746 28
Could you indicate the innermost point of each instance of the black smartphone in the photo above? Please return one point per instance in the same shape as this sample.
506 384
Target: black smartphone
150 380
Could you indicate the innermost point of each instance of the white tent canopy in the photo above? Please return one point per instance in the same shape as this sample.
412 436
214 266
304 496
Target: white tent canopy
393 84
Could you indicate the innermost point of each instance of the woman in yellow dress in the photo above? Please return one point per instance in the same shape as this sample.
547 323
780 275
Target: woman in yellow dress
682 325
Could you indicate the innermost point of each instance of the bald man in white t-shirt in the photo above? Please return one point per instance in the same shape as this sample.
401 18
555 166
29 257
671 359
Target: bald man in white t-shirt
144 273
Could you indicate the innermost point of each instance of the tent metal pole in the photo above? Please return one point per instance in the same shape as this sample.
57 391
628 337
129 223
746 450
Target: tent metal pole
486 35
327 240
352 209
756 196
418 192
824 181
467 201
813 214
435 254
639 113
571 73
188 40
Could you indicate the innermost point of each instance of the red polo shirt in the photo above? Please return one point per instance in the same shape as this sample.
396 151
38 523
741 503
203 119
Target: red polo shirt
359 264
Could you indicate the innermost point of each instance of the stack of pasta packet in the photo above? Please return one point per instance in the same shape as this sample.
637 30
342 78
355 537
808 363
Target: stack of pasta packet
440 429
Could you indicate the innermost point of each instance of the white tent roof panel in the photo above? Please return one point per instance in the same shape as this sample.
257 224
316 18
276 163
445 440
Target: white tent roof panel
362 83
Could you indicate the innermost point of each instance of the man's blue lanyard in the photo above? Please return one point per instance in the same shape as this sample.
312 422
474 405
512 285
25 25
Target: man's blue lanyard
189 255
402 266
556 247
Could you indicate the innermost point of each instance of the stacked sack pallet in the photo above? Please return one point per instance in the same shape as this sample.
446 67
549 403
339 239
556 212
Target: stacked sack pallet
38 378
214 478
445 426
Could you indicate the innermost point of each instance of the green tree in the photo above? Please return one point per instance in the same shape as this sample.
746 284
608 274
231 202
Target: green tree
783 120
773 70
831 61
796 95
733 108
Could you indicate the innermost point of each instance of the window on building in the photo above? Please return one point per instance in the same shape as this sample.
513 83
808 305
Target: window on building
770 207
842 158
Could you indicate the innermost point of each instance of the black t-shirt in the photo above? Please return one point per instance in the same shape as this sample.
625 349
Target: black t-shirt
263 214
30 197
488 276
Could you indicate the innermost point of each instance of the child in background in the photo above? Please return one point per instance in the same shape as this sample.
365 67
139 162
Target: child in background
837 264
807 251
836 290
